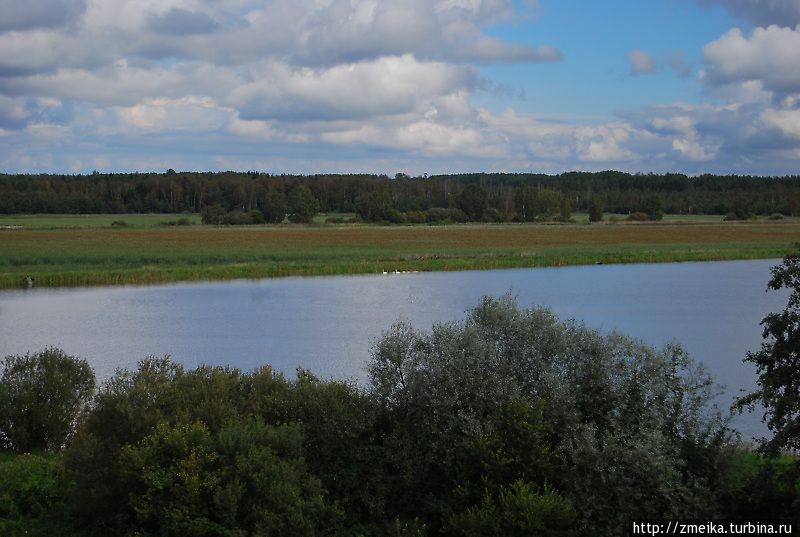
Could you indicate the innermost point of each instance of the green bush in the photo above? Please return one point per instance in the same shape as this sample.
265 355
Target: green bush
31 495
42 397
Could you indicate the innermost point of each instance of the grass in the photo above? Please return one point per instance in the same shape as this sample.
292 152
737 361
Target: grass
79 221
144 255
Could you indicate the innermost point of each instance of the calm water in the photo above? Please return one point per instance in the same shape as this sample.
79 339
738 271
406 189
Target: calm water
327 324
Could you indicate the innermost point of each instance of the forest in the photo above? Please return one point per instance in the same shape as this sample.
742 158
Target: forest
467 197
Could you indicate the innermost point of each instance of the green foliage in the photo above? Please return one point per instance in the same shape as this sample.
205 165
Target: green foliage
31 495
249 479
595 209
302 204
42 397
617 411
213 214
519 510
473 201
754 486
274 206
778 364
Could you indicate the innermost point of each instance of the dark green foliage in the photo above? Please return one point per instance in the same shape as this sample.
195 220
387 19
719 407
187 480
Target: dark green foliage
653 208
213 451
755 486
42 397
595 209
473 202
213 214
302 204
274 206
249 478
778 364
519 510
506 193
31 495
376 207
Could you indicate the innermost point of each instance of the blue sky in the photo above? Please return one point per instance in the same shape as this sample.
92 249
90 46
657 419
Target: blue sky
418 86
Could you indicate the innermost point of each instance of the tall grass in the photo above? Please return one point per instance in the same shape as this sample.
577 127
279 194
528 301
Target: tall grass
152 255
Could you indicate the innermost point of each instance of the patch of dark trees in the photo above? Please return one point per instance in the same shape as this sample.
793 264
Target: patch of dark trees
251 197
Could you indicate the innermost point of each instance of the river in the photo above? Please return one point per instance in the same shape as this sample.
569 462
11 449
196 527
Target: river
327 324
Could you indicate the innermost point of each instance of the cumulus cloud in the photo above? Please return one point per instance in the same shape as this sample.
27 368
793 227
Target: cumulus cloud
641 62
386 86
769 55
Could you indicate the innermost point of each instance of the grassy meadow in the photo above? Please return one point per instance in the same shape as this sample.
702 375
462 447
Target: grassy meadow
92 252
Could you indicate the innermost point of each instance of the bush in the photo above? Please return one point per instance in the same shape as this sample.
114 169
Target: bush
42 397
615 414
31 495
638 217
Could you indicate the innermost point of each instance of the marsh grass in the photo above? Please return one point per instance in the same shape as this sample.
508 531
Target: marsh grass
135 255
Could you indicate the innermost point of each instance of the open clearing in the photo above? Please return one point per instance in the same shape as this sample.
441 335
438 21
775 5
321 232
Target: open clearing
130 255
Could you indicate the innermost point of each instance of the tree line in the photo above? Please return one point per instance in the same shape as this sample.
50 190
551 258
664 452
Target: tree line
260 197
510 422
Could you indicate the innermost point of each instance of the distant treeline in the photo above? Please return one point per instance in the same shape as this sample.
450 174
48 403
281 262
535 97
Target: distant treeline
479 196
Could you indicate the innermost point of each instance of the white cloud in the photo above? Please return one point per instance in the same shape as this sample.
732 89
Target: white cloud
769 55
787 121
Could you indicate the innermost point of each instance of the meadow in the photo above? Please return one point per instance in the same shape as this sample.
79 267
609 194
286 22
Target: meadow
145 250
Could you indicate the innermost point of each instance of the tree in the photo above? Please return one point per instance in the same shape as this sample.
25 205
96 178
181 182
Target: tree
778 364
213 214
302 204
42 397
620 419
273 205
595 209
473 202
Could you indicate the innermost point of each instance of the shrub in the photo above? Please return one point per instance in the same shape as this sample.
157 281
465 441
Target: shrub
42 397
618 413
638 217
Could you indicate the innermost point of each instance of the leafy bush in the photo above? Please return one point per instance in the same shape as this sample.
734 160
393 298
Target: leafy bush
42 397
618 412
31 495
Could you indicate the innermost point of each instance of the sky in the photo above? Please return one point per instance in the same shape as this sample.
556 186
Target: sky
391 86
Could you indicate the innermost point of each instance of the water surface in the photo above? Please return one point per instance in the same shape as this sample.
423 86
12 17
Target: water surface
326 324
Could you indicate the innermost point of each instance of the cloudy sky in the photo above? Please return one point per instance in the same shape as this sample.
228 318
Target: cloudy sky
414 86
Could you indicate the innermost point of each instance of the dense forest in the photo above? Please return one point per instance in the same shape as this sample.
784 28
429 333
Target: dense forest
510 422
466 197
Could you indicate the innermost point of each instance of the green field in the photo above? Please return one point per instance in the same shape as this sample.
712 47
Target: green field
78 221
150 253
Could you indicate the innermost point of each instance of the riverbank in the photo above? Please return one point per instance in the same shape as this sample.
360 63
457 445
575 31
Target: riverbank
108 256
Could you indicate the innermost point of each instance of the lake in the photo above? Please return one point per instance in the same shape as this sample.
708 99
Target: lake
327 324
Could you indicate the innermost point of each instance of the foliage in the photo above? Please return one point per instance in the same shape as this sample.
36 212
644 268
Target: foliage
207 451
42 397
274 206
519 510
595 209
778 363
618 412
473 201
31 495
302 204
754 486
